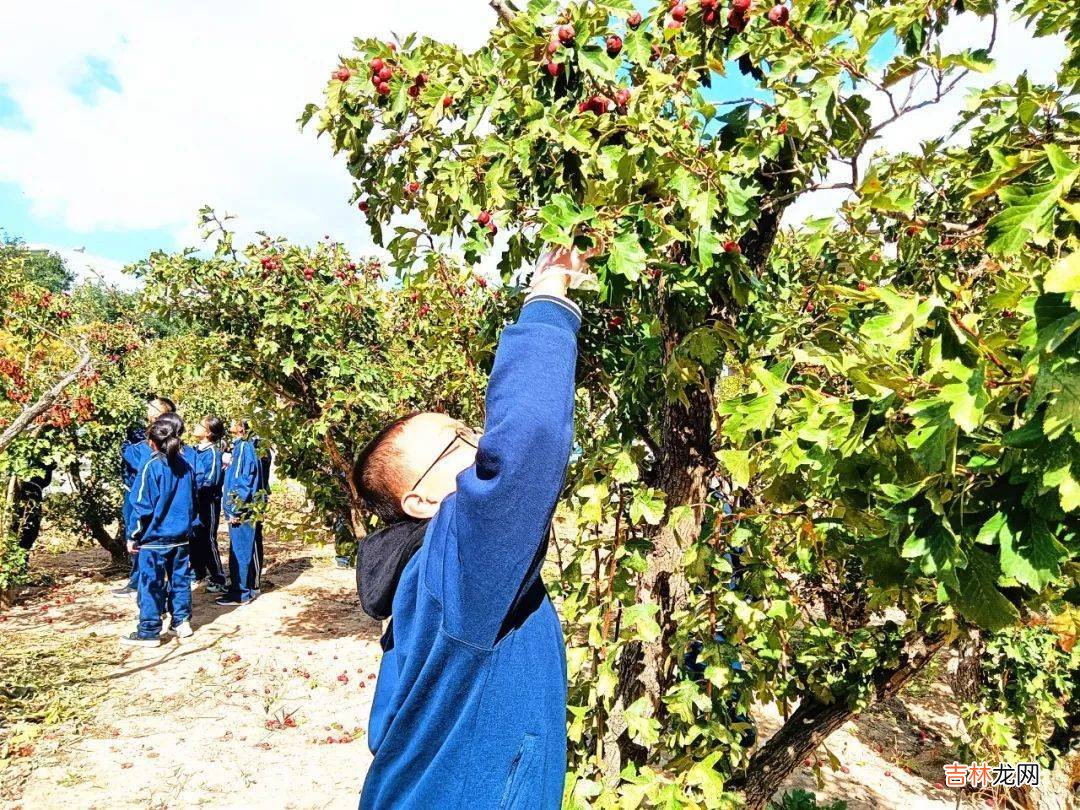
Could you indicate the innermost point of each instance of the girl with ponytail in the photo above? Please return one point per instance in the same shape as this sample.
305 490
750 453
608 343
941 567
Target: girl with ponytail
159 528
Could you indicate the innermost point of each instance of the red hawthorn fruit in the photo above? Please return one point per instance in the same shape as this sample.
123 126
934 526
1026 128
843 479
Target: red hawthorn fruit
863 286
391 46
484 217
708 5
482 282
709 17
553 44
64 314
678 12
566 34
656 53
732 247
622 97
375 80
386 74
413 91
809 306
736 20
741 5
421 79
911 230
614 45
383 89
782 127
634 20
363 206
351 266
615 322
875 257
424 310
553 68
492 228
447 101
413 187
778 14
344 73
583 106
376 65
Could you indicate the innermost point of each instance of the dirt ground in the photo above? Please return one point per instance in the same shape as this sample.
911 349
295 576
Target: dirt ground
266 705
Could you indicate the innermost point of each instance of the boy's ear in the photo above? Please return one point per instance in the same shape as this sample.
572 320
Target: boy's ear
417 506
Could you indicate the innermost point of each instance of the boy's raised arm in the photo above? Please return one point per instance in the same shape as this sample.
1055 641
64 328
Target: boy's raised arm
506 501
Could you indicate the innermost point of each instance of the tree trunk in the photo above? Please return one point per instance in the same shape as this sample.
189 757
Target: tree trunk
683 470
813 721
113 544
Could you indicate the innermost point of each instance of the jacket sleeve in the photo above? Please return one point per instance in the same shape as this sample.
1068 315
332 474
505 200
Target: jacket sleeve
243 480
144 497
504 503
129 470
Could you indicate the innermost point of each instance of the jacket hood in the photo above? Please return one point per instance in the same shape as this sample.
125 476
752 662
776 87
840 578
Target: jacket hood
381 557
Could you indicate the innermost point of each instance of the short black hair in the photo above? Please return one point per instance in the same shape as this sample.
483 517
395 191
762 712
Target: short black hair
165 434
170 406
215 427
173 420
377 477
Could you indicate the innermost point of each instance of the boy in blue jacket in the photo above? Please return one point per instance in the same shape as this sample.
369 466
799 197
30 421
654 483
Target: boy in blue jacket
470 704
134 453
159 530
205 460
241 489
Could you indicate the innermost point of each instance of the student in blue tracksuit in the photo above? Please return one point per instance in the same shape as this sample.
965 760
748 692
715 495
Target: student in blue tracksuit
159 530
134 453
470 705
263 491
239 495
205 459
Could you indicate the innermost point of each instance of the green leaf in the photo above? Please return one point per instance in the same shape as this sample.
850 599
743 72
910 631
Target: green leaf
640 618
1031 556
648 505
627 258
1029 210
737 464
624 470
643 729
977 596
1064 276
937 551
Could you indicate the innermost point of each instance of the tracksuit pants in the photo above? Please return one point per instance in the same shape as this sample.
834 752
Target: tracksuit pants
133 578
205 557
245 561
164 585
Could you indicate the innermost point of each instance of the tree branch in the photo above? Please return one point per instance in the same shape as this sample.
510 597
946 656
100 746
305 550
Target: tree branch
504 12
26 418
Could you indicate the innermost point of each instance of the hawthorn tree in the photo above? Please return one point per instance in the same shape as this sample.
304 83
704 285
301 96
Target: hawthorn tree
326 350
904 436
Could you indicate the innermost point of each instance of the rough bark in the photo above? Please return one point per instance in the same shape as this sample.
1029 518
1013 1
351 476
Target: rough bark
813 721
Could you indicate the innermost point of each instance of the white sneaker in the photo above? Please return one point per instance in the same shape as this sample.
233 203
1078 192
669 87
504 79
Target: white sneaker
183 630
133 640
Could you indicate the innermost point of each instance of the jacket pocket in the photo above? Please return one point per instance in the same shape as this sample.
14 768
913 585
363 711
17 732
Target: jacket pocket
519 777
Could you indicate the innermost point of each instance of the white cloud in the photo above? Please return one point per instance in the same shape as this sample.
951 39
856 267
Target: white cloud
210 93
88 267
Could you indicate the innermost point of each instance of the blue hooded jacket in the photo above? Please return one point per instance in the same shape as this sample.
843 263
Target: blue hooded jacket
242 479
163 502
134 453
209 471
470 705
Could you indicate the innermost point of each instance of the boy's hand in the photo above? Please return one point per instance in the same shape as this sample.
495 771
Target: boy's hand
561 269
131 547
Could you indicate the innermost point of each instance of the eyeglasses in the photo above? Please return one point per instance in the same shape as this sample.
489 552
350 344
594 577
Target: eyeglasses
462 434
